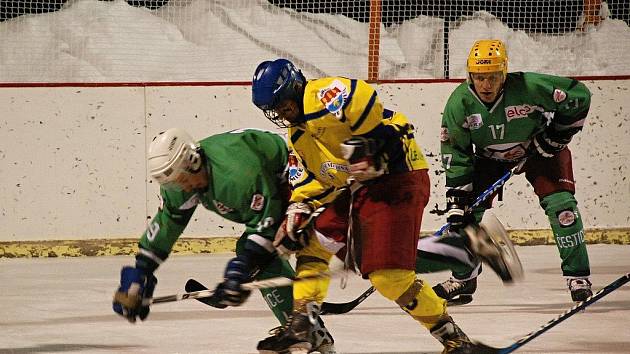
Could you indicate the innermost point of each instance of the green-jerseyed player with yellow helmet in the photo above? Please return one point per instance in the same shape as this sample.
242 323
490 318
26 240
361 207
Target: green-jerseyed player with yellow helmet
493 121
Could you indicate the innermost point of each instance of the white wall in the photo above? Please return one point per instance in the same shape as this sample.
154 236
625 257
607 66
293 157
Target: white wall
72 160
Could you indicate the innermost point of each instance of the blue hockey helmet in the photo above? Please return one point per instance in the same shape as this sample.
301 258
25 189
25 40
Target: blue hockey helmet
274 82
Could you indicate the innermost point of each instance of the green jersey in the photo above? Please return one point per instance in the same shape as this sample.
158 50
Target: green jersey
503 132
246 174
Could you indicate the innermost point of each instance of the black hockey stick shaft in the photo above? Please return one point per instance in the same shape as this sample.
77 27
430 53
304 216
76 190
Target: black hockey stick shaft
328 308
256 284
575 309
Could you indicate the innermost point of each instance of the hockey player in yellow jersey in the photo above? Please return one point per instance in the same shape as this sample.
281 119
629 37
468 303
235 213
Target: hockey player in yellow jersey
338 132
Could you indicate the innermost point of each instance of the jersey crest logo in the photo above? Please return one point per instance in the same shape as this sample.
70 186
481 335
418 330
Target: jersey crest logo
258 202
559 95
296 171
473 121
222 208
334 97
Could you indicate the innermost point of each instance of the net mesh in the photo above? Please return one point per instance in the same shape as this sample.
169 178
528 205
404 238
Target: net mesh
224 40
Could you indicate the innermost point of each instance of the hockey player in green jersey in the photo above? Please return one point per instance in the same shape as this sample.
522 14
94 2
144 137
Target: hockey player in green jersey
240 175
493 121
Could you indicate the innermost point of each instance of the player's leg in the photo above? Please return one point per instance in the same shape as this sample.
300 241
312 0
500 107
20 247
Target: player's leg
305 330
279 300
568 231
418 299
553 182
449 252
463 282
299 334
391 214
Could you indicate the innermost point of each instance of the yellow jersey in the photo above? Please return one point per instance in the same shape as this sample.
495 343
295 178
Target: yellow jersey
335 109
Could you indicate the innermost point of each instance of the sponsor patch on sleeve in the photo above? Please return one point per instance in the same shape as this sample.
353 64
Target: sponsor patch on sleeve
296 171
258 202
444 137
473 121
566 218
559 95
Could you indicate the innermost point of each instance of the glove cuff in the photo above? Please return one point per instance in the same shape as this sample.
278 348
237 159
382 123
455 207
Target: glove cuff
458 197
238 268
146 263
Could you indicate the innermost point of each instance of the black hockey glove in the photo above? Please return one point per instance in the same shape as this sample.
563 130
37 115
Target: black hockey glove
550 142
136 285
363 155
457 209
230 292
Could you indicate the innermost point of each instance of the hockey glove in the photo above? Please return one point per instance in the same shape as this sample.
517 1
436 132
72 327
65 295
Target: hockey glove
290 237
230 292
550 142
136 285
457 204
362 154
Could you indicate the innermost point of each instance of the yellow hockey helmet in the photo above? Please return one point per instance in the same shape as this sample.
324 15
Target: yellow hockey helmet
486 56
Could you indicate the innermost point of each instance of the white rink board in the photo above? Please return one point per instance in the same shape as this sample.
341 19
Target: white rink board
72 159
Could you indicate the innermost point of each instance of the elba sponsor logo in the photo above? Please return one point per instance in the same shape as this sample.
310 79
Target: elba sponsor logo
520 111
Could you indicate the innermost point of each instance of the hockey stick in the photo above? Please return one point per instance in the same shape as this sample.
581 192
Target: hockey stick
257 284
487 193
547 326
328 308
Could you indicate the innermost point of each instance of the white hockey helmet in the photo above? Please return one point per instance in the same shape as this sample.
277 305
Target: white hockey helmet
172 152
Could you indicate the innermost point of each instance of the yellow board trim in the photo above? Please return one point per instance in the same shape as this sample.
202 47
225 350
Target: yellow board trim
109 247
128 246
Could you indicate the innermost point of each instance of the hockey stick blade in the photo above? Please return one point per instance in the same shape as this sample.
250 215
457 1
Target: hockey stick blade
483 349
327 307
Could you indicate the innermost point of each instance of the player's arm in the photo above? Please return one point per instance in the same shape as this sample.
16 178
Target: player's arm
307 194
456 145
366 150
165 228
138 283
568 99
457 153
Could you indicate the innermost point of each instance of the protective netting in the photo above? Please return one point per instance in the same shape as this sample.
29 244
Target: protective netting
224 40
